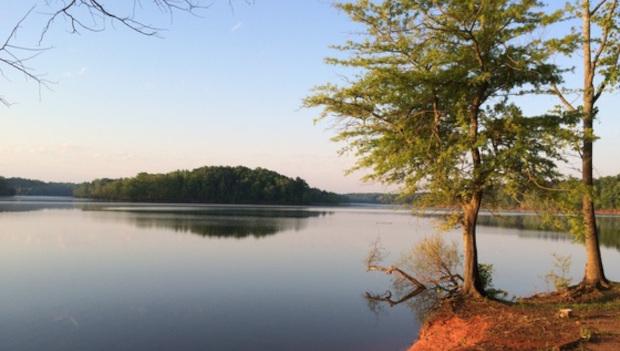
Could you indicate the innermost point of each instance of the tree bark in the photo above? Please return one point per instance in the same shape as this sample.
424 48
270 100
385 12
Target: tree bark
472 286
594 276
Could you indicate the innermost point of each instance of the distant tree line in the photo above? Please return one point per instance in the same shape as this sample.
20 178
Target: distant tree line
373 198
606 196
23 186
215 184
5 189
607 192
165 187
31 187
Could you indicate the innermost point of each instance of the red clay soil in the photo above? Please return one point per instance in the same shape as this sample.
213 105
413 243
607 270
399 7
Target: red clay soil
529 325
447 334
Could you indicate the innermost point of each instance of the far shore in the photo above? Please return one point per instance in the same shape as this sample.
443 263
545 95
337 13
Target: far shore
402 207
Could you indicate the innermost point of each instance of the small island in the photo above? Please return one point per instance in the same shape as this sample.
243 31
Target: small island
210 184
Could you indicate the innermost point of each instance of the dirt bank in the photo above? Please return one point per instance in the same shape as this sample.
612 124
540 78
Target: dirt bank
531 324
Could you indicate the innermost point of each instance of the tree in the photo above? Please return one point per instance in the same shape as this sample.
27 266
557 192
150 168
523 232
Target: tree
211 184
5 188
83 15
427 105
601 52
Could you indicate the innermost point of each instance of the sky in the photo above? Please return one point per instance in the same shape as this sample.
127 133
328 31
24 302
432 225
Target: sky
222 88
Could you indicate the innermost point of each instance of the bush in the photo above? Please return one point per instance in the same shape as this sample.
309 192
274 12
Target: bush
559 276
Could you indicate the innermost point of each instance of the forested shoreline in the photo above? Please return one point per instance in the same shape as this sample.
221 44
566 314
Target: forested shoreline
274 188
211 184
22 186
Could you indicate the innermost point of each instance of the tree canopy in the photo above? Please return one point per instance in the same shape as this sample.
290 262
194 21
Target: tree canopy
427 105
216 184
598 42
5 188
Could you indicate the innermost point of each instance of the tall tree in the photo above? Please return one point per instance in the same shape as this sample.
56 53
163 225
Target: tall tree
598 41
427 105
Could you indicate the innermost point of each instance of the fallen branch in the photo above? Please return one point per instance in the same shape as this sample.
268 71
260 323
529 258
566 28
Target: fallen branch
391 269
387 296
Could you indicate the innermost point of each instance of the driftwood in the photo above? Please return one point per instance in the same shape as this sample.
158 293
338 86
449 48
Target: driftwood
442 279
391 270
387 296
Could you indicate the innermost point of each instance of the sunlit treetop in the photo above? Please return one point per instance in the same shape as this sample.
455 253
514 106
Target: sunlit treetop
429 105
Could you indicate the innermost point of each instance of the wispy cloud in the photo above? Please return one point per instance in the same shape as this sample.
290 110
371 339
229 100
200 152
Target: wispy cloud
77 73
236 27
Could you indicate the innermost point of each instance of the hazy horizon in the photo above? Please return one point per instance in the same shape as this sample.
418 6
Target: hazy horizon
223 89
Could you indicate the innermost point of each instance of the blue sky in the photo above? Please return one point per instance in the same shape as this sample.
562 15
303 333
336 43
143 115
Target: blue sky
223 89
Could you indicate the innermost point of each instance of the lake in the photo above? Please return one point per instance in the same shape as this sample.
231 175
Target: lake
112 276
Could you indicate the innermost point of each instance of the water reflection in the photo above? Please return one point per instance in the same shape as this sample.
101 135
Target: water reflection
36 203
609 227
101 276
219 221
225 224
420 302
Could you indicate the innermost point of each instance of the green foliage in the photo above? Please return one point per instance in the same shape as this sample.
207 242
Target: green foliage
437 264
560 209
5 188
585 333
486 275
434 262
485 270
380 198
427 108
559 276
607 192
33 187
226 185
608 227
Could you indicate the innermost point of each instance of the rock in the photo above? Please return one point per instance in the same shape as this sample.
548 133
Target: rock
565 313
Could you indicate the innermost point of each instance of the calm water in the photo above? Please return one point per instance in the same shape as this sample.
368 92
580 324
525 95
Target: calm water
88 276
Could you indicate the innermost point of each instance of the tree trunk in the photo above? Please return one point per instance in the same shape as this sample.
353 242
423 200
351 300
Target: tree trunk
594 276
472 286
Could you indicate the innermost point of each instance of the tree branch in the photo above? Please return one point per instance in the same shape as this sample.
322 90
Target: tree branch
10 56
597 7
605 36
556 91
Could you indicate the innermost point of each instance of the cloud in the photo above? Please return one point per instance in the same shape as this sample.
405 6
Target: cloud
236 27
79 72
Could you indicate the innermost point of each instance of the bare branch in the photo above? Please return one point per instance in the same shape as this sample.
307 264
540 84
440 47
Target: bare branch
100 12
556 91
78 14
387 296
15 57
597 7
608 26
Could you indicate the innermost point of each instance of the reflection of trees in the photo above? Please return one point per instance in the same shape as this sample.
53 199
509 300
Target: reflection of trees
421 304
609 227
609 231
211 221
225 223
17 204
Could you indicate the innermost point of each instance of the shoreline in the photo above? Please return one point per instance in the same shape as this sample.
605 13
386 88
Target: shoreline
532 323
